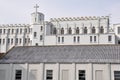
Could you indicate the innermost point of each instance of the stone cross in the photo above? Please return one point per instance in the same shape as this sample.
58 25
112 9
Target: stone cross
36 7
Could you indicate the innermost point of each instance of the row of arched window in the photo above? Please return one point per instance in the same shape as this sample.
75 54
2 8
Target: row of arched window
12 31
17 41
77 30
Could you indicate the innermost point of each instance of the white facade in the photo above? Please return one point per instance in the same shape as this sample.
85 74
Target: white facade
58 31
71 70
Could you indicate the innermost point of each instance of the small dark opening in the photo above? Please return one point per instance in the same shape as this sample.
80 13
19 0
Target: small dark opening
36 44
118 41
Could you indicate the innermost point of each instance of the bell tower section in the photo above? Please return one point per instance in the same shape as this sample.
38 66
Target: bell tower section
37 28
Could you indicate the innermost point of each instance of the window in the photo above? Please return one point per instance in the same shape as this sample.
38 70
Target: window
17 30
41 37
93 30
90 38
49 75
18 75
85 30
12 31
62 31
3 41
62 39
25 30
81 75
109 38
8 40
69 31
41 28
58 39
77 30
16 41
35 34
20 31
11 41
54 31
78 39
0 31
28 40
4 31
101 29
25 40
118 30
74 39
20 41
116 75
94 38
8 31
0 41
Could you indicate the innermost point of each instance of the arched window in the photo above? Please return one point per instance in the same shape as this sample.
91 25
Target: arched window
62 31
101 29
69 31
77 30
54 31
85 30
93 30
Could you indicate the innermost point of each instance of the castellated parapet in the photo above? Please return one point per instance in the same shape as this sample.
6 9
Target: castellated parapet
78 18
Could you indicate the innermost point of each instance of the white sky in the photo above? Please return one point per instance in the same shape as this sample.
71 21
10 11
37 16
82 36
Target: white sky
18 11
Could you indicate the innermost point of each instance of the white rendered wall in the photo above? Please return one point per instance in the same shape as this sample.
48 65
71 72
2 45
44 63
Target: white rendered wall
90 69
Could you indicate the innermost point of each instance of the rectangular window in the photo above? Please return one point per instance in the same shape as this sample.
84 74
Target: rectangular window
11 41
78 39
18 75
58 39
98 75
8 40
49 75
20 31
118 30
90 38
16 41
41 37
20 41
3 41
35 34
74 39
116 75
0 31
0 41
81 75
94 38
12 31
109 38
62 39
65 74
4 31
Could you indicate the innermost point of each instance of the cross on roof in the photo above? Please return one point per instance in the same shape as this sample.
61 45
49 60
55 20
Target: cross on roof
36 6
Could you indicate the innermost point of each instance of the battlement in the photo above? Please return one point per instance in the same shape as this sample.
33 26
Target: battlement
78 18
14 25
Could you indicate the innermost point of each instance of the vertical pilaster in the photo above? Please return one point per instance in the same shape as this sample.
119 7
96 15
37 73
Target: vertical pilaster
42 66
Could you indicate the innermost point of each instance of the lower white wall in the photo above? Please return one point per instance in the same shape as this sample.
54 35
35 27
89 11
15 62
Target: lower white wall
72 68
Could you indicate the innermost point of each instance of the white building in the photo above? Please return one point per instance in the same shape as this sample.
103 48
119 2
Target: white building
58 31
78 48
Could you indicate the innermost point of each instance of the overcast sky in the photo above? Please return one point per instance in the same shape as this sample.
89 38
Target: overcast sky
18 11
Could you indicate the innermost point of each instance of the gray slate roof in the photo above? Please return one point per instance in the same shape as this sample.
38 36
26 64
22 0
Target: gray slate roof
64 54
